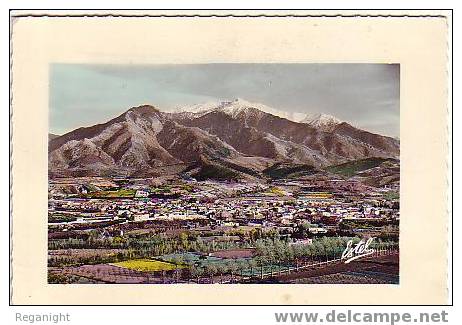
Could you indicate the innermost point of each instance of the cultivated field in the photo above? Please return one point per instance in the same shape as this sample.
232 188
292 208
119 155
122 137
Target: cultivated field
235 253
147 265
105 273
377 270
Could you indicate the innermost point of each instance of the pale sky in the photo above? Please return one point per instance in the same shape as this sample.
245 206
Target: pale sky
366 95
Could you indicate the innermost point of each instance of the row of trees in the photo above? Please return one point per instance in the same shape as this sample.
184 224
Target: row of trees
272 252
156 243
275 255
135 247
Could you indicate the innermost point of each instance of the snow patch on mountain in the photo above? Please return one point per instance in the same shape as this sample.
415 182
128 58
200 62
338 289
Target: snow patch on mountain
323 121
234 108
194 111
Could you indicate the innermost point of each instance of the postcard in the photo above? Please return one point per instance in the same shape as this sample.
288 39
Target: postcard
224 158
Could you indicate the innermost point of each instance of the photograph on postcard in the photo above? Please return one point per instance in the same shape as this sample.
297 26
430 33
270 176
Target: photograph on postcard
224 173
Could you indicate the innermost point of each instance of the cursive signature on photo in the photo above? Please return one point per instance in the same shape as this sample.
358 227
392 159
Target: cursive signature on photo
361 249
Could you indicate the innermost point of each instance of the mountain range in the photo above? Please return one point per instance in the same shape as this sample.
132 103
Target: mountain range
229 139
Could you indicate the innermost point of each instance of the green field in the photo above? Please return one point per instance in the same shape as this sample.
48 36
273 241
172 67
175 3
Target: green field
147 265
350 168
391 195
190 258
123 193
279 170
216 172
61 218
277 191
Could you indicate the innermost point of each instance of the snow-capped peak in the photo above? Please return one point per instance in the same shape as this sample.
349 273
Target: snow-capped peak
196 108
238 105
231 107
321 120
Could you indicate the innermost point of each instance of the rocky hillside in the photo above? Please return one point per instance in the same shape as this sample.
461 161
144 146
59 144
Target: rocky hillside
232 139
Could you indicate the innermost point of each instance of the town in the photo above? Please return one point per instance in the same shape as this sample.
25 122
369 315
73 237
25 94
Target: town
128 230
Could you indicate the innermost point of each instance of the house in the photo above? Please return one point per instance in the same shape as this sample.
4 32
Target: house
141 217
256 223
142 193
124 213
83 189
306 241
318 230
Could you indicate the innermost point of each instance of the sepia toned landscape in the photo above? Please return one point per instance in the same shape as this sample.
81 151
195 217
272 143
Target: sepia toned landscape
229 191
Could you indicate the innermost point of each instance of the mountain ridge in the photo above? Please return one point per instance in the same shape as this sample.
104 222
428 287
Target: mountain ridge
236 136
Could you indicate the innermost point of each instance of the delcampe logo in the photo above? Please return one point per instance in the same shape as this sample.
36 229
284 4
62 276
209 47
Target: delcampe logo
361 249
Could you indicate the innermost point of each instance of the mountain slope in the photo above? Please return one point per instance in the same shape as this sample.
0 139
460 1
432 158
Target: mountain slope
52 136
128 142
384 143
255 132
352 168
140 139
376 172
232 139
323 122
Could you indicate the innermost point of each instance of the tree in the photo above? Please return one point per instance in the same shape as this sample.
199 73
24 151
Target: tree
260 247
261 261
201 246
279 252
92 238
184 241
177 260
188 259
289 256
271 256
298 253
309 251
318 249
252 264
222 269
210 270
242 266
325 247
305 229
233 267
195 272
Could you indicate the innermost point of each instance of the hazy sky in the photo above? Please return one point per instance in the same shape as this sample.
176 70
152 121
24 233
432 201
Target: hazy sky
366 95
